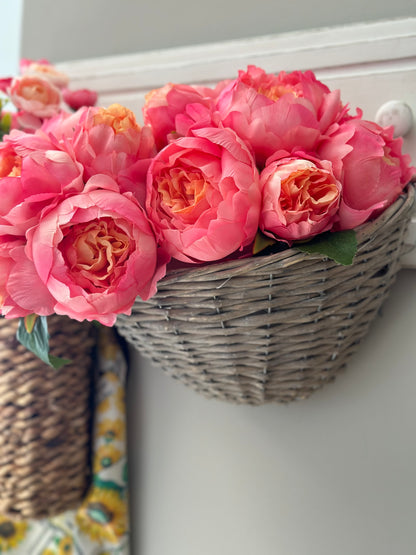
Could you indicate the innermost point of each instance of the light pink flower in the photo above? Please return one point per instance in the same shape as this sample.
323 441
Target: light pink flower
24 63
288 111
203 196
80 97
36 96
369 163
300 198
45 70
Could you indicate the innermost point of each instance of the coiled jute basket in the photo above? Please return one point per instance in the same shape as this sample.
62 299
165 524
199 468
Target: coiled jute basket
269 328
45 417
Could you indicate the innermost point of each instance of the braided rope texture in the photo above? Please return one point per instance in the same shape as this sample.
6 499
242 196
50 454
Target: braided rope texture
45 417
269 328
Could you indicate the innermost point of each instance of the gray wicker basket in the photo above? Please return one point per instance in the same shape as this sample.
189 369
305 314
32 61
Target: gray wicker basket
269 328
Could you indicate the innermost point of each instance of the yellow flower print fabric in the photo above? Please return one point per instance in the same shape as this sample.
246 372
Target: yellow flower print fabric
100 525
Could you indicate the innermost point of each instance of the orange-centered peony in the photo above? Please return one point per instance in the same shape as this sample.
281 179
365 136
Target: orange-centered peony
300 198
118 117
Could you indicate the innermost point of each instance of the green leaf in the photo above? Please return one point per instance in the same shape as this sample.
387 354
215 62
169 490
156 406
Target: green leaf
57 362
30 321
5 123
261 242
37 341
340 246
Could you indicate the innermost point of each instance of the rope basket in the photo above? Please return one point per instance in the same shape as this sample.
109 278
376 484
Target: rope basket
45 421
269 328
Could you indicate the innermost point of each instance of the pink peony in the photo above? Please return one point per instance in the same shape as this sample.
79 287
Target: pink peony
37 182
87 256
103 140
203 196
13 260
63 125
300 198
32 182
10 161
164 105
287 111
36 96
109 141
369 163
79 98
95 252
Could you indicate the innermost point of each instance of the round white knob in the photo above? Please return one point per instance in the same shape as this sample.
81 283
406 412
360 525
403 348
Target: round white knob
395 113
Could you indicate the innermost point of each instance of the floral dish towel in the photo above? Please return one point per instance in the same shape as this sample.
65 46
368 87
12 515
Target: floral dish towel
100 525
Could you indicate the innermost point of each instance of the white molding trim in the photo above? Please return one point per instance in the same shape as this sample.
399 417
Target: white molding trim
351 45
370 62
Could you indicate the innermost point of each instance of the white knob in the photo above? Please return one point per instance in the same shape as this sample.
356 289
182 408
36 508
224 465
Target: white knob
398 114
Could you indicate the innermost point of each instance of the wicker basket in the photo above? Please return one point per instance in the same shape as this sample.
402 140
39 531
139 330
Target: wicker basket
269 328
45 419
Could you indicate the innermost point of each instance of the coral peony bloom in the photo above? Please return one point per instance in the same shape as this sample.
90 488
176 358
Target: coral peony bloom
102 140
164 105
39 181
32 182
369 163
10 161
96 252
287 111
110 141
16 271
80 97
118 117
87 256
36 96
300 198
203 196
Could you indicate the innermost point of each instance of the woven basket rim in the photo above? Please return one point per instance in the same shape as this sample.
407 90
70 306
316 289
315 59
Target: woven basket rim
233 267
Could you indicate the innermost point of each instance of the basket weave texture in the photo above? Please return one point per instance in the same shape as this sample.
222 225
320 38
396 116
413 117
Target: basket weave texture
45 419
269 328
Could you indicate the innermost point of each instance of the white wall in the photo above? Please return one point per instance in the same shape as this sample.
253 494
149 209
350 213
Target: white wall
61 30
332 475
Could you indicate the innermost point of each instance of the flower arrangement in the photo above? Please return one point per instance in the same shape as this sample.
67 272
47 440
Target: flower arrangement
96 209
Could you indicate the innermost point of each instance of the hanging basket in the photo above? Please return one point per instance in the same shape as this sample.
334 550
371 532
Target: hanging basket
269 328
45 419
